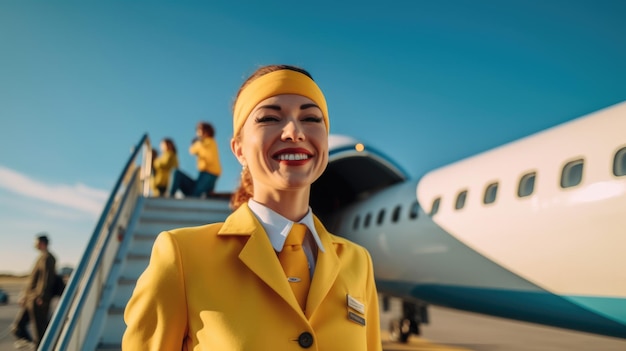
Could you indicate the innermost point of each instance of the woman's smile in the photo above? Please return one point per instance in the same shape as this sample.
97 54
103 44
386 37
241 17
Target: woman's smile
292 156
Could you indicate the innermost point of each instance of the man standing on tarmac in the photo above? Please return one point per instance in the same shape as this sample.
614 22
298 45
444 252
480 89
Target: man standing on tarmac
35 301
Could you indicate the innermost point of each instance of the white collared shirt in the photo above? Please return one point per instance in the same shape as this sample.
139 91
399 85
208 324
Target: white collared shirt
278 227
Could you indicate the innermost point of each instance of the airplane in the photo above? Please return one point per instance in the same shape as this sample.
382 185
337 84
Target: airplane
532 230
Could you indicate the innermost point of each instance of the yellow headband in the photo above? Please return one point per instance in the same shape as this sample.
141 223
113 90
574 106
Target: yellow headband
284 81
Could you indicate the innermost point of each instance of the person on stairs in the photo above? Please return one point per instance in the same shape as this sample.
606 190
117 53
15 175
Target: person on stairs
204 147
162 167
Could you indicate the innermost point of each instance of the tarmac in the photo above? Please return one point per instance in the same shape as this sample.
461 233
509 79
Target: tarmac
449 330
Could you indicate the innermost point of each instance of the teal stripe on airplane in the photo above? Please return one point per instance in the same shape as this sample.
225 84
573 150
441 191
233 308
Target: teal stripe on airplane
610 307
532 306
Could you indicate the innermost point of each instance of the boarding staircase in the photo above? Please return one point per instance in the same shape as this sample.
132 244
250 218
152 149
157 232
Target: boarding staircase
89 315
154 215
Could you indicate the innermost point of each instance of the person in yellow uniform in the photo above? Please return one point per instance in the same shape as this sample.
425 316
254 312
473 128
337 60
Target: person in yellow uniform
205 149
246 283
163 165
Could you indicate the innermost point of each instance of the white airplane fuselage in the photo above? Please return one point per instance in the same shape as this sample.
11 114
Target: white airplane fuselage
534 230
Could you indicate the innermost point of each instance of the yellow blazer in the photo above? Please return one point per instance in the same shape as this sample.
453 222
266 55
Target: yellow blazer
163 167
208 156
220 287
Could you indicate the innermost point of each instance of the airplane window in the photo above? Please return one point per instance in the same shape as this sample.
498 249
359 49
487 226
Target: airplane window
572 174
381 217
490 193
355 225
619 163
460 200
396 214
368 218
435 208
414 210
526 184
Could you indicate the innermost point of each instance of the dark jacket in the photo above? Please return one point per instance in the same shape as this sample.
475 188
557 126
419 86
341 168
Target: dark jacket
42 278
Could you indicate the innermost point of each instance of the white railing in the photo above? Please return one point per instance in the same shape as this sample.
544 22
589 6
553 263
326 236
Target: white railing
73 315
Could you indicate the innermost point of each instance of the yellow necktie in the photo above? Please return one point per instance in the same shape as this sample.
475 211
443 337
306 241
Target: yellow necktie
295 263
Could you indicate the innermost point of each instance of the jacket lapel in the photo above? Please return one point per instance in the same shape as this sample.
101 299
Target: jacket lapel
258 254
326 270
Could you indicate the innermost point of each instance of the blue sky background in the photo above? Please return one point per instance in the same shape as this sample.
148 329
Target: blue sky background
426 82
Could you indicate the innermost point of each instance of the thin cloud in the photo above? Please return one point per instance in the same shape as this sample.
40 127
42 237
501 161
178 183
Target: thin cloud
78 196
61 214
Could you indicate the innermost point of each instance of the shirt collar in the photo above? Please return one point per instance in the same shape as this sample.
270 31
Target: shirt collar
278 227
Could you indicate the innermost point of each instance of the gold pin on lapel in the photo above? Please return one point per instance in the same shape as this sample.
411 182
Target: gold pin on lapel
355 304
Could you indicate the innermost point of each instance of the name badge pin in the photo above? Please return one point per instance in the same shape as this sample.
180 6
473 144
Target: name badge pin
355 304
356 318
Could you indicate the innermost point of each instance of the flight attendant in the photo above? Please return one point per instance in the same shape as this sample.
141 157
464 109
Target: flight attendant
270 277
163 165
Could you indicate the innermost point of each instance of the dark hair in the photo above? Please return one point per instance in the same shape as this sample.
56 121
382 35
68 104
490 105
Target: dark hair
170 144
42 238
206 128
245 189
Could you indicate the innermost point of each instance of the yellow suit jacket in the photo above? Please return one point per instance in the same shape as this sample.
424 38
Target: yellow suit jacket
221 287
208 156
163 167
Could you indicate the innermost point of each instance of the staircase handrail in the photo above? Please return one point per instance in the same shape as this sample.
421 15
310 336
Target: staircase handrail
61 314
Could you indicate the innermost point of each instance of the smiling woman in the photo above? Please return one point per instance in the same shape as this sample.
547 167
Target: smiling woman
259 86
284 144
272 258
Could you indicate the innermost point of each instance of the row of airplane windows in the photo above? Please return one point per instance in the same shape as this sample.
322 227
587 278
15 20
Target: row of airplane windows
571 175
380 218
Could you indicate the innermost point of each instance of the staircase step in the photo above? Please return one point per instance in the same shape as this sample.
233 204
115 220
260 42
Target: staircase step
181 216
188 203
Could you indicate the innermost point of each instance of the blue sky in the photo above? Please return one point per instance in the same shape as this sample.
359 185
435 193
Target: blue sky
426 82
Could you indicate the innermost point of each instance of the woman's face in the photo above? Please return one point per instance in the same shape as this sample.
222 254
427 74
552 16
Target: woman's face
283 143
163 146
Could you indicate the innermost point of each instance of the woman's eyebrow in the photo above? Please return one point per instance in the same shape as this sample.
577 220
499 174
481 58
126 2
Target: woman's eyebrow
278 108
305 106
271 107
